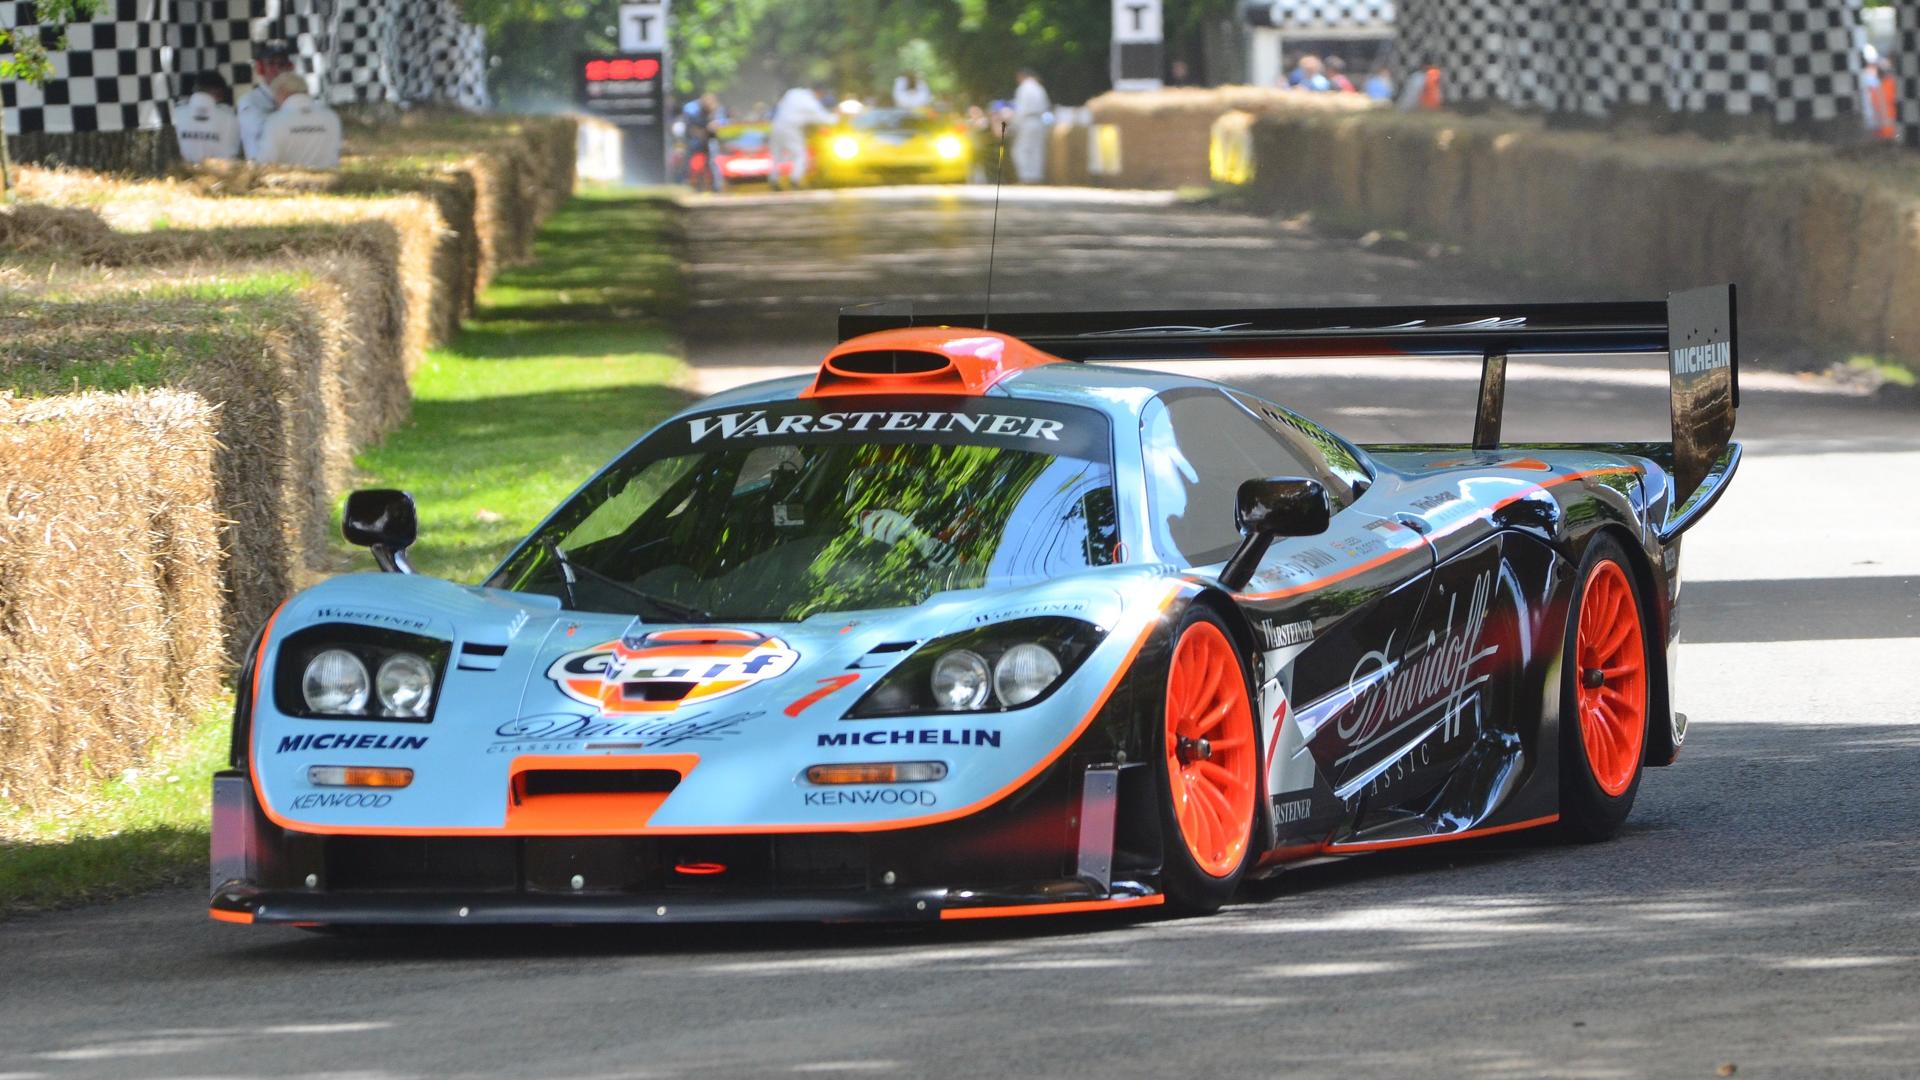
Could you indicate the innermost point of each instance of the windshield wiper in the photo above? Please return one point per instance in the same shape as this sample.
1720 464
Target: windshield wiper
569 570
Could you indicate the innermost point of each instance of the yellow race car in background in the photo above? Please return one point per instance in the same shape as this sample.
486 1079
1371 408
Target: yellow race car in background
892 146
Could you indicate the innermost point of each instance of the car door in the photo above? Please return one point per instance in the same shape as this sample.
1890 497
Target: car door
1330 612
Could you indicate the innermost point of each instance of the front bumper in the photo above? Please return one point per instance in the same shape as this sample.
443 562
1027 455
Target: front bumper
1070 843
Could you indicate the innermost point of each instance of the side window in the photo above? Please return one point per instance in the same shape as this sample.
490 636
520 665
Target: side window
1200 446
1337 463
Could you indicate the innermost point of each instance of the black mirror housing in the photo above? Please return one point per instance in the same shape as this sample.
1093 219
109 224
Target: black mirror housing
385 521
1283 506
1266 510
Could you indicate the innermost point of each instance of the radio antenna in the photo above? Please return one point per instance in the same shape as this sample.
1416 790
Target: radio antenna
993 235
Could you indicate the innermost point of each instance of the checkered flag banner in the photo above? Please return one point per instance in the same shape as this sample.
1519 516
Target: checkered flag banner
442 59
112 76
366 55
1906 69
1788 61
1336 16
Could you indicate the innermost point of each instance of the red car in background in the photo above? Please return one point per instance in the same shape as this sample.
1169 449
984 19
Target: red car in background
746 156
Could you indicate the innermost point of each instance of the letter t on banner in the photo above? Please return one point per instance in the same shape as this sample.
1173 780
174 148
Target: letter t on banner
1138 44
643 27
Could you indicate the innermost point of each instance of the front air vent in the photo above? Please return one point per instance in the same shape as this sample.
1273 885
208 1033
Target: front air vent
476 656
883 655
539 783
889 362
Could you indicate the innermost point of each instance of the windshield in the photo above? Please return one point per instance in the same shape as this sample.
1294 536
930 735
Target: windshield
899 121
742 141
774 514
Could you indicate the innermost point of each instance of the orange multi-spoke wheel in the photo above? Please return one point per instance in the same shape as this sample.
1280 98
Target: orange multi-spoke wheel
1212 759
1612 678
1605 703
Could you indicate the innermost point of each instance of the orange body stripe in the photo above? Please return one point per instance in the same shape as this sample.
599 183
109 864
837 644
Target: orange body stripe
1415 841
1016 910
828 687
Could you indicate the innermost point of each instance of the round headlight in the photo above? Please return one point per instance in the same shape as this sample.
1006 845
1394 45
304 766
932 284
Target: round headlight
846 147
1024 673
406 685
960 680
335 682
949 147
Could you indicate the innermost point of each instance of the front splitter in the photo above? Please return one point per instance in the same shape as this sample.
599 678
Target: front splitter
241 903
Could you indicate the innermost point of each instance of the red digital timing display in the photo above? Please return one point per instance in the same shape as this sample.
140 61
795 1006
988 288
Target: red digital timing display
638 70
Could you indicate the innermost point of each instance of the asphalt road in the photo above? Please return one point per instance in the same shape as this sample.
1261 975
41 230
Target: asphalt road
1761 912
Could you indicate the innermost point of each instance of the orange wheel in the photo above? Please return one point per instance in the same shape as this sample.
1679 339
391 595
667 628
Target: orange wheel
1605 700
1612 678
1212 759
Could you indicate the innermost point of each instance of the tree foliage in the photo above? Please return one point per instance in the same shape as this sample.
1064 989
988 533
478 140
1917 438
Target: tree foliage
968 49
26 51
26 54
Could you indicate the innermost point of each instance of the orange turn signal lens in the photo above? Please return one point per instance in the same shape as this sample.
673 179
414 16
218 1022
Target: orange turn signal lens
878 772
358 776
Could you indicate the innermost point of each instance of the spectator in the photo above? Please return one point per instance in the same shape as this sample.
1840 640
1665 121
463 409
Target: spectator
206 124
910 92
1310 75
1179 74
797 110
301 131
1380 84
1030 108
1337 76
270 61
704 117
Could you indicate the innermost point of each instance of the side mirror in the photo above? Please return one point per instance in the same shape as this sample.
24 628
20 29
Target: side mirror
1266 510
384 520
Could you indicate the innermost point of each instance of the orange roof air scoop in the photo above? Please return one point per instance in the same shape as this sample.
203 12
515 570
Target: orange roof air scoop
923 360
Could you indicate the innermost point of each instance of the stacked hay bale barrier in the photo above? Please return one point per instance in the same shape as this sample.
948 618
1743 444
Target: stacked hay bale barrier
1826 250
189 366
109 583
1165 136
264 342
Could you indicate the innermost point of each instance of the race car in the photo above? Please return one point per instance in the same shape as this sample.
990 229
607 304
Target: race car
968 623
745 155
891 146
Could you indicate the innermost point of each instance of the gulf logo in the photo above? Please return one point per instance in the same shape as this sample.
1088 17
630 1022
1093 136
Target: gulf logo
667 669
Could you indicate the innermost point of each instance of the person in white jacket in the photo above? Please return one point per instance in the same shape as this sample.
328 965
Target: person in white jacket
797 110
301 131
1030 108
270 60
205 123
910 91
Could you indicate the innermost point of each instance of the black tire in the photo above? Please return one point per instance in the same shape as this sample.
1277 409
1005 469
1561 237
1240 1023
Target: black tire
1588 812
1190 888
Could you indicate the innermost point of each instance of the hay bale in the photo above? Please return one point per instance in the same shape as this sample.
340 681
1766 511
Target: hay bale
29 228
109 596
264 353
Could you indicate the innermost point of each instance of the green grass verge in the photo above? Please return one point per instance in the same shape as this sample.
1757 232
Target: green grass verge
141 831
563 366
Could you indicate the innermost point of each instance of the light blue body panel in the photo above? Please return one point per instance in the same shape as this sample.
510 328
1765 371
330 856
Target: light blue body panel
752 753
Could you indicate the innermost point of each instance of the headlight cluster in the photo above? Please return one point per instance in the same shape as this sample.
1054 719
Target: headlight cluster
348 671
950 147
1005 666
846 147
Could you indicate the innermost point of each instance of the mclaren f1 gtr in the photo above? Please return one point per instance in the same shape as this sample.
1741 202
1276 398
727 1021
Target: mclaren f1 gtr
966 623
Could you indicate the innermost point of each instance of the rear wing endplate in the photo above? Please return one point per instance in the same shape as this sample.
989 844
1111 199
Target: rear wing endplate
1695 329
